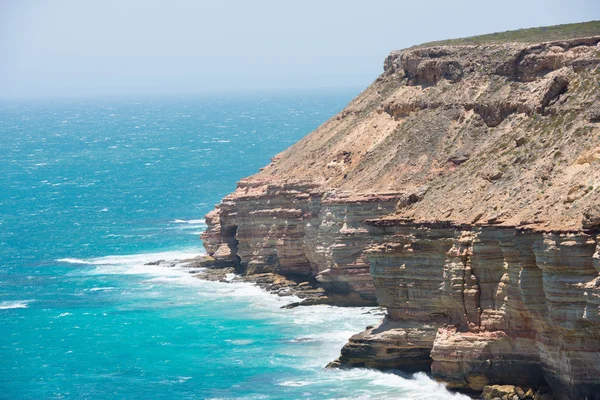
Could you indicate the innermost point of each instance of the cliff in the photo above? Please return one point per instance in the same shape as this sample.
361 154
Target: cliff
461 192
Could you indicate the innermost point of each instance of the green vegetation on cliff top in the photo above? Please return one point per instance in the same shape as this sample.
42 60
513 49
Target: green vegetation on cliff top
530 35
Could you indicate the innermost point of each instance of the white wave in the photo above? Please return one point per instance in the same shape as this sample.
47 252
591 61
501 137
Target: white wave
7 305
98 289
420 386
244 292
229 277
72 261
171 279
189 221
382 385
241 342
295 383
136 259
315 333
368 384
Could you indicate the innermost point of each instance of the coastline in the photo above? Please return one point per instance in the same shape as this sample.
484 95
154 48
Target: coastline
305 294
460 192
304 290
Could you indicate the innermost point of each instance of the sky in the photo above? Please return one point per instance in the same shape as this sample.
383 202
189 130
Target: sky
63 48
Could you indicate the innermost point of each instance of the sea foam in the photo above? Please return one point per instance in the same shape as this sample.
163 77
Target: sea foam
7 305
324 328
135 259
190 221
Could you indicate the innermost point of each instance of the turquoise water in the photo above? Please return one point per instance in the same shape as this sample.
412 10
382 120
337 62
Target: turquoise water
91 190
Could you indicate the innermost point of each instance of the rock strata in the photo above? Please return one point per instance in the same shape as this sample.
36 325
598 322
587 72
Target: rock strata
460 191
292 230
491 305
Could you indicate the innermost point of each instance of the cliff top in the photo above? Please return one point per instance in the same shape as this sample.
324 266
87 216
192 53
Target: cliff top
505 134
529 35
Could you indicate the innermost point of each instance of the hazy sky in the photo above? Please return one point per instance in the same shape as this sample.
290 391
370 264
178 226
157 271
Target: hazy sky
116 47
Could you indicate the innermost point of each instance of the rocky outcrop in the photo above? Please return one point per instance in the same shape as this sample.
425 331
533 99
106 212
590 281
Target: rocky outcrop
460 191
292 229
491 305
511 392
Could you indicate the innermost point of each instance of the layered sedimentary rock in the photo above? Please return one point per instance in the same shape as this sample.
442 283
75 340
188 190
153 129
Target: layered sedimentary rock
507 306
460 191
292 229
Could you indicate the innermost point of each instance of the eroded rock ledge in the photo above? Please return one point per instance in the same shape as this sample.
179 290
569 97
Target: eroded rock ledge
460 191
484 305
292 229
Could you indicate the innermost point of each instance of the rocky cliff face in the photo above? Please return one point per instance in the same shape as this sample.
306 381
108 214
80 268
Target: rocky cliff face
486 305
292 228
461 192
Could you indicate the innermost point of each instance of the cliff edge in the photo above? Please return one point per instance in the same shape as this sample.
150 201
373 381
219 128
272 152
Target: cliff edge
461 192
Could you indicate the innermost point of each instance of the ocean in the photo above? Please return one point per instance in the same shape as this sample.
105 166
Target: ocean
90 191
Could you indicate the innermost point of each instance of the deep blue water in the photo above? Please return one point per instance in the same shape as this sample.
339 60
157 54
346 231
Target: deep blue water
90 190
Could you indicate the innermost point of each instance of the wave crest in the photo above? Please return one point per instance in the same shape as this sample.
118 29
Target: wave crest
7 305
